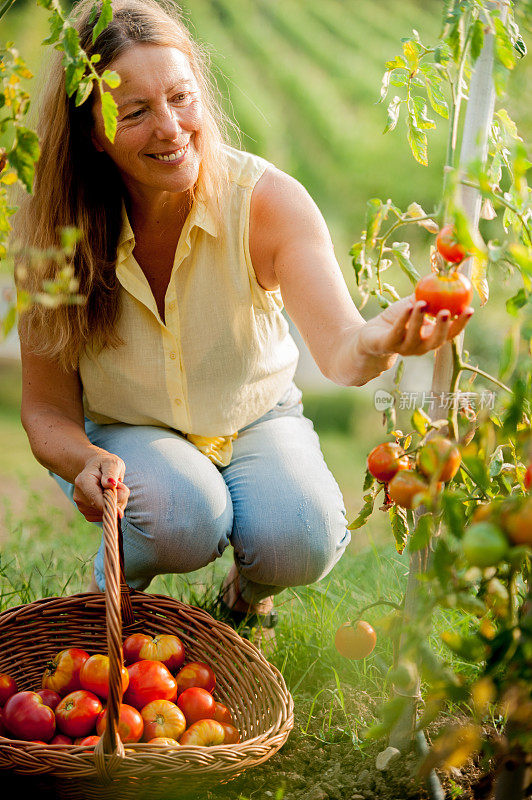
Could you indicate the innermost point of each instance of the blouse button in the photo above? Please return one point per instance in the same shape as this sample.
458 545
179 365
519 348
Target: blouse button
172 356
171 305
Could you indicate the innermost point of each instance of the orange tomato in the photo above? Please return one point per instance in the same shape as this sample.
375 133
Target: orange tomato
439 458
94 676
407 488
385 460
162 718
355 641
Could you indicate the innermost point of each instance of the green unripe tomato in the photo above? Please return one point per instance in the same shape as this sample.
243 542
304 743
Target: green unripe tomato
484 544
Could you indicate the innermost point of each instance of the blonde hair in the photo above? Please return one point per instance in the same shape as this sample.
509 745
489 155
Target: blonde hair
77 186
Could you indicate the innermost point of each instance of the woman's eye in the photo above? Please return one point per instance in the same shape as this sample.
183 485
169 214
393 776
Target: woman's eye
134 114
181 97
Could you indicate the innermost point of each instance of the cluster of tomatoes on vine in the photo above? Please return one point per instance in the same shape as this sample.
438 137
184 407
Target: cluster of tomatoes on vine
165 701
446 289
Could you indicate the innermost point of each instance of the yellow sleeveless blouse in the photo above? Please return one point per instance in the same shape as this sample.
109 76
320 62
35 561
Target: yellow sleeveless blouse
224 355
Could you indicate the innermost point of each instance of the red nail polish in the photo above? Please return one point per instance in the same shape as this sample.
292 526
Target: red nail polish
111 481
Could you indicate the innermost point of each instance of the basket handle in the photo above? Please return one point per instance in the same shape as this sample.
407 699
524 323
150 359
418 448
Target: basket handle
110 743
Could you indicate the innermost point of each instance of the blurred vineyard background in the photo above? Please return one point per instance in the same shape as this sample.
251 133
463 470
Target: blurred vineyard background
301 80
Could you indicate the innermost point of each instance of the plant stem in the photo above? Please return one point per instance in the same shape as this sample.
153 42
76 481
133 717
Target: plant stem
5 8
497 198
471 368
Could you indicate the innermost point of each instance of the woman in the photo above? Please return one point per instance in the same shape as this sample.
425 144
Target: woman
174 381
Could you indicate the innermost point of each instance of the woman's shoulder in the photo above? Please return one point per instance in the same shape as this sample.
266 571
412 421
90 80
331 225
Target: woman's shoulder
244 168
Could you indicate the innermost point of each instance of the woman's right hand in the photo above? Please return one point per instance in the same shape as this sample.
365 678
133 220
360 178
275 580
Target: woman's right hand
102 471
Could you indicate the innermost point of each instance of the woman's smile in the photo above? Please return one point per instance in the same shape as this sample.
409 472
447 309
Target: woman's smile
171 156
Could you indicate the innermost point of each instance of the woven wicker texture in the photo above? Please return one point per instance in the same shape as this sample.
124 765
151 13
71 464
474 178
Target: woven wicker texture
254 690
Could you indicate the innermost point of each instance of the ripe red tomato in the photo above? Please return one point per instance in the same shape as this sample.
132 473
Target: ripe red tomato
196 673
355 641
26 717
62 673
60 738
406 488
87 741
163 719
8 687
130 724
439 458
77 713
452 291
165 648
94 676
204 733
385 460
231 734
528 477
222 714
148 681
49 698
196 704
448 246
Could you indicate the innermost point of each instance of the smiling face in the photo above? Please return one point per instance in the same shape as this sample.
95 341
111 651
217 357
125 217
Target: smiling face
159 120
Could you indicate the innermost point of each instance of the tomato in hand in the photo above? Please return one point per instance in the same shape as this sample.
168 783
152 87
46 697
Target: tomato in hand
196 673
196 704
94 676
439 458
8 687
205 733
355 641
77 713
162 718
148 681
130 723
27 717
385 460
407 488
62 673
165 648
452 291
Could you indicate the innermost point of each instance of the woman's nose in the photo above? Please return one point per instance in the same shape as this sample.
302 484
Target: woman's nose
168 124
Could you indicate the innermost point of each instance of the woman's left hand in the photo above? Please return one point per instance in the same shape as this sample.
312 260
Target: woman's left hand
402 328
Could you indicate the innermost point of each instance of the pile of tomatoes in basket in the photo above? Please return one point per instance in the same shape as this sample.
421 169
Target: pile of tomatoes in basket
165 701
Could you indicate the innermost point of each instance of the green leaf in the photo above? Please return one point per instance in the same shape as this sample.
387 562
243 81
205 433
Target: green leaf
70 43
111 78
391 418
369 481
478 471
56 26
110 113
513 304
420 421
504 51
454 40
364 513
375 214
422 533
477 39
510 353
385 85
411 51
73 74
401 251
437 100
396 63
104 19
423 122
453 509
84 90
393 114
24 155
399 527
418 142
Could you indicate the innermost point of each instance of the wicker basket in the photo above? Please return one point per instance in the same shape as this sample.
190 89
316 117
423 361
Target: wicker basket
32 634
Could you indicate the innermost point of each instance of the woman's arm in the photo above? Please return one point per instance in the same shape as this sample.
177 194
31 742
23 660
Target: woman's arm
291 247
52 416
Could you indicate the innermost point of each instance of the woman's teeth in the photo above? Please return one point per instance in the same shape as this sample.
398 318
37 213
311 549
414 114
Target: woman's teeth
173 156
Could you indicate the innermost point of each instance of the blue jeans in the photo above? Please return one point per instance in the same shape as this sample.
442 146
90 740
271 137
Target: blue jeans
276 503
